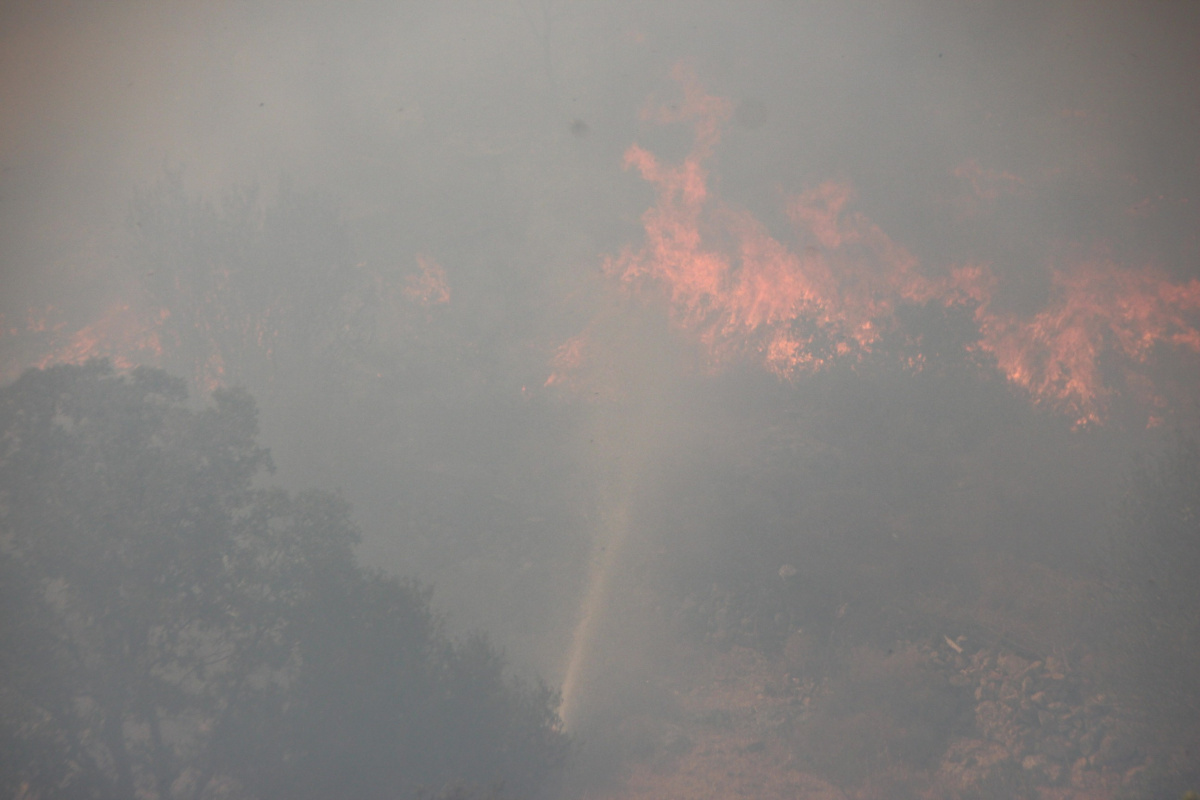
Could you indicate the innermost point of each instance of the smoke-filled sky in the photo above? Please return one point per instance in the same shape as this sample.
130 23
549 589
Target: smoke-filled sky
1069 127
656 225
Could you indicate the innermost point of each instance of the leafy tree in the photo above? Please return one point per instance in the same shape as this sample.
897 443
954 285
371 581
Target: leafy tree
167 628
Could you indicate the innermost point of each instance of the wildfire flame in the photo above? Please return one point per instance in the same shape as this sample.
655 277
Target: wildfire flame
130 334
1098 307
124 334
121 334
429 288
836 293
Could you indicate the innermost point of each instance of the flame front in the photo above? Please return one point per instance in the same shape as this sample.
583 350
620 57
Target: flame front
1098 307
124 334
835 293
205 334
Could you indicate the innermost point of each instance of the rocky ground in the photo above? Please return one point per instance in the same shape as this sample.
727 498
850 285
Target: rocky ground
939 718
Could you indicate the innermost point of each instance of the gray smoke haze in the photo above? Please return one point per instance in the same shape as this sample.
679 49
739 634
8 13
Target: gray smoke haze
488 139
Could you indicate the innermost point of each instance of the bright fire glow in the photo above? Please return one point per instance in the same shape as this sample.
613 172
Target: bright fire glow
130 336
835 293
123 335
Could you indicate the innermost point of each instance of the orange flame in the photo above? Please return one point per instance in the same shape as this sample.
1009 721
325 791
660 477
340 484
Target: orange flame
741 290
122 335
1098 308
567 361
130 334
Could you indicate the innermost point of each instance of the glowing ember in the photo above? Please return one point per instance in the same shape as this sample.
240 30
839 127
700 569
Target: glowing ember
567 361
428 288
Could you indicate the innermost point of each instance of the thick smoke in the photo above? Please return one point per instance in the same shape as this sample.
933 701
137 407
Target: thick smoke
737 367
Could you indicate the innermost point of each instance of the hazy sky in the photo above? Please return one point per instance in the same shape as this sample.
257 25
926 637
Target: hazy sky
1075 112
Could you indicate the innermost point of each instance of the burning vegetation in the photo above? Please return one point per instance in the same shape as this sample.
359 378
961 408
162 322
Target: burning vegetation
171 631
819 527
838 292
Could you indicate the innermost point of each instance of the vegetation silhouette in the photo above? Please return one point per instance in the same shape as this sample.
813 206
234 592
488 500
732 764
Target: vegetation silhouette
170 629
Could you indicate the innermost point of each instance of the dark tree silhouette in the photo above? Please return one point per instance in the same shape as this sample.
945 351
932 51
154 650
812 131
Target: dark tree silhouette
167 628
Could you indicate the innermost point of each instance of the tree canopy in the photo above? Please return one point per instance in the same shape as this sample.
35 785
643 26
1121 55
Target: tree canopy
169 629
